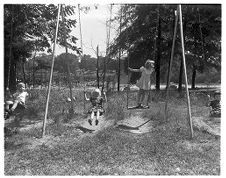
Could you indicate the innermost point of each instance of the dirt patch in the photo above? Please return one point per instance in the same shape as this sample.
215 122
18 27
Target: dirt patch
201 124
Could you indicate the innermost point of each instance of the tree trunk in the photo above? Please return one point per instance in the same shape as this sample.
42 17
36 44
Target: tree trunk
70 86
158 57
175 22
12 85
181 64
119 55
193 77
180 75
119 69
24 75
33 72
71 110
104 74
42 77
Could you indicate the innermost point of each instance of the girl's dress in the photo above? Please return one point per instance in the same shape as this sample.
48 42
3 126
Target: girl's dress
97 104
145 81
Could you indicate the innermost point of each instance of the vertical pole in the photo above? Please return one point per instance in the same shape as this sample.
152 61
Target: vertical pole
51 73
97 66
80 58
185 72
170 64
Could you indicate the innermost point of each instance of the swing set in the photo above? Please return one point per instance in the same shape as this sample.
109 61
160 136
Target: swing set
178 16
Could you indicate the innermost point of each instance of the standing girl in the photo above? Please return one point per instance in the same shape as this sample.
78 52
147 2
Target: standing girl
144 83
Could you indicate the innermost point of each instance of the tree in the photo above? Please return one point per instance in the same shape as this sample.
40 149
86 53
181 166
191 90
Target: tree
29 28
138 34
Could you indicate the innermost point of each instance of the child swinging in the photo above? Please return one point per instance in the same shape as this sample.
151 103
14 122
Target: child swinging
144 82
96 100
17 100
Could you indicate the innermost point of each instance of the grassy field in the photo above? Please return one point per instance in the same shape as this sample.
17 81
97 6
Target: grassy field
166 150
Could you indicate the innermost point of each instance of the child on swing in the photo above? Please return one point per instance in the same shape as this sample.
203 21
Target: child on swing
17 100
144 83
96 100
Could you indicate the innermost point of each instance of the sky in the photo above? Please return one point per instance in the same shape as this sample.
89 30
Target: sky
94 31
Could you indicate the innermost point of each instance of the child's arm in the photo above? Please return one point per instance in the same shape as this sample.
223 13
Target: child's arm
134 70
86 98
105 97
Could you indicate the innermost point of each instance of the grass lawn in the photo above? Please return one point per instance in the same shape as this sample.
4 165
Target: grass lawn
65 150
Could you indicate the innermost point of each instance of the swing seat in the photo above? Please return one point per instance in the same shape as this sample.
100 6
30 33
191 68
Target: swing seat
84 129
139 107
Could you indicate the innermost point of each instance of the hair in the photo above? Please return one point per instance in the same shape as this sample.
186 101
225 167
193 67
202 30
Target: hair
149 63
21 85
96 93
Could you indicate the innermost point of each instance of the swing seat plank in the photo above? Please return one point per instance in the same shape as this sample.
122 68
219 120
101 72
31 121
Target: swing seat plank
127 127
139 107
84 129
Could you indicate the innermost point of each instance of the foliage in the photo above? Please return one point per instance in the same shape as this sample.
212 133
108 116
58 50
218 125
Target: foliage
31 27
140 40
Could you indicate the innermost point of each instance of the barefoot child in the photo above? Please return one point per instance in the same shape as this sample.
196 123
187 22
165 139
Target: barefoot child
97 105
144 83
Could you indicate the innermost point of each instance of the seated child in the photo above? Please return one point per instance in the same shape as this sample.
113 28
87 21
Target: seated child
17 99
97 105
215 105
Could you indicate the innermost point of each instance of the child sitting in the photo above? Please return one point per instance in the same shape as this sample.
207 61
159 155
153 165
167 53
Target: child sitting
97 105
215 105
17 100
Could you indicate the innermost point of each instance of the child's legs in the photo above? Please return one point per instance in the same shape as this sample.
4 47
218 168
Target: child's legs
148 96
14 105
98 115
143 96
92 115
140 96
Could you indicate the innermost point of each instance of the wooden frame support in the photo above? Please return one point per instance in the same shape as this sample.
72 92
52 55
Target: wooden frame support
51 73
179 15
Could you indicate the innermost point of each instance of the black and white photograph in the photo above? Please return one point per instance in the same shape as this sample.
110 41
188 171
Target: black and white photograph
112 89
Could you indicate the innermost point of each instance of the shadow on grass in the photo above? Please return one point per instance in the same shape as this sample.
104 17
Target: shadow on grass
11 145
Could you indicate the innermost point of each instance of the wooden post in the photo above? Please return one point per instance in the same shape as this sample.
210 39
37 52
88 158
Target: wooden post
170 64
80 57
97 68
185 72
51 73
